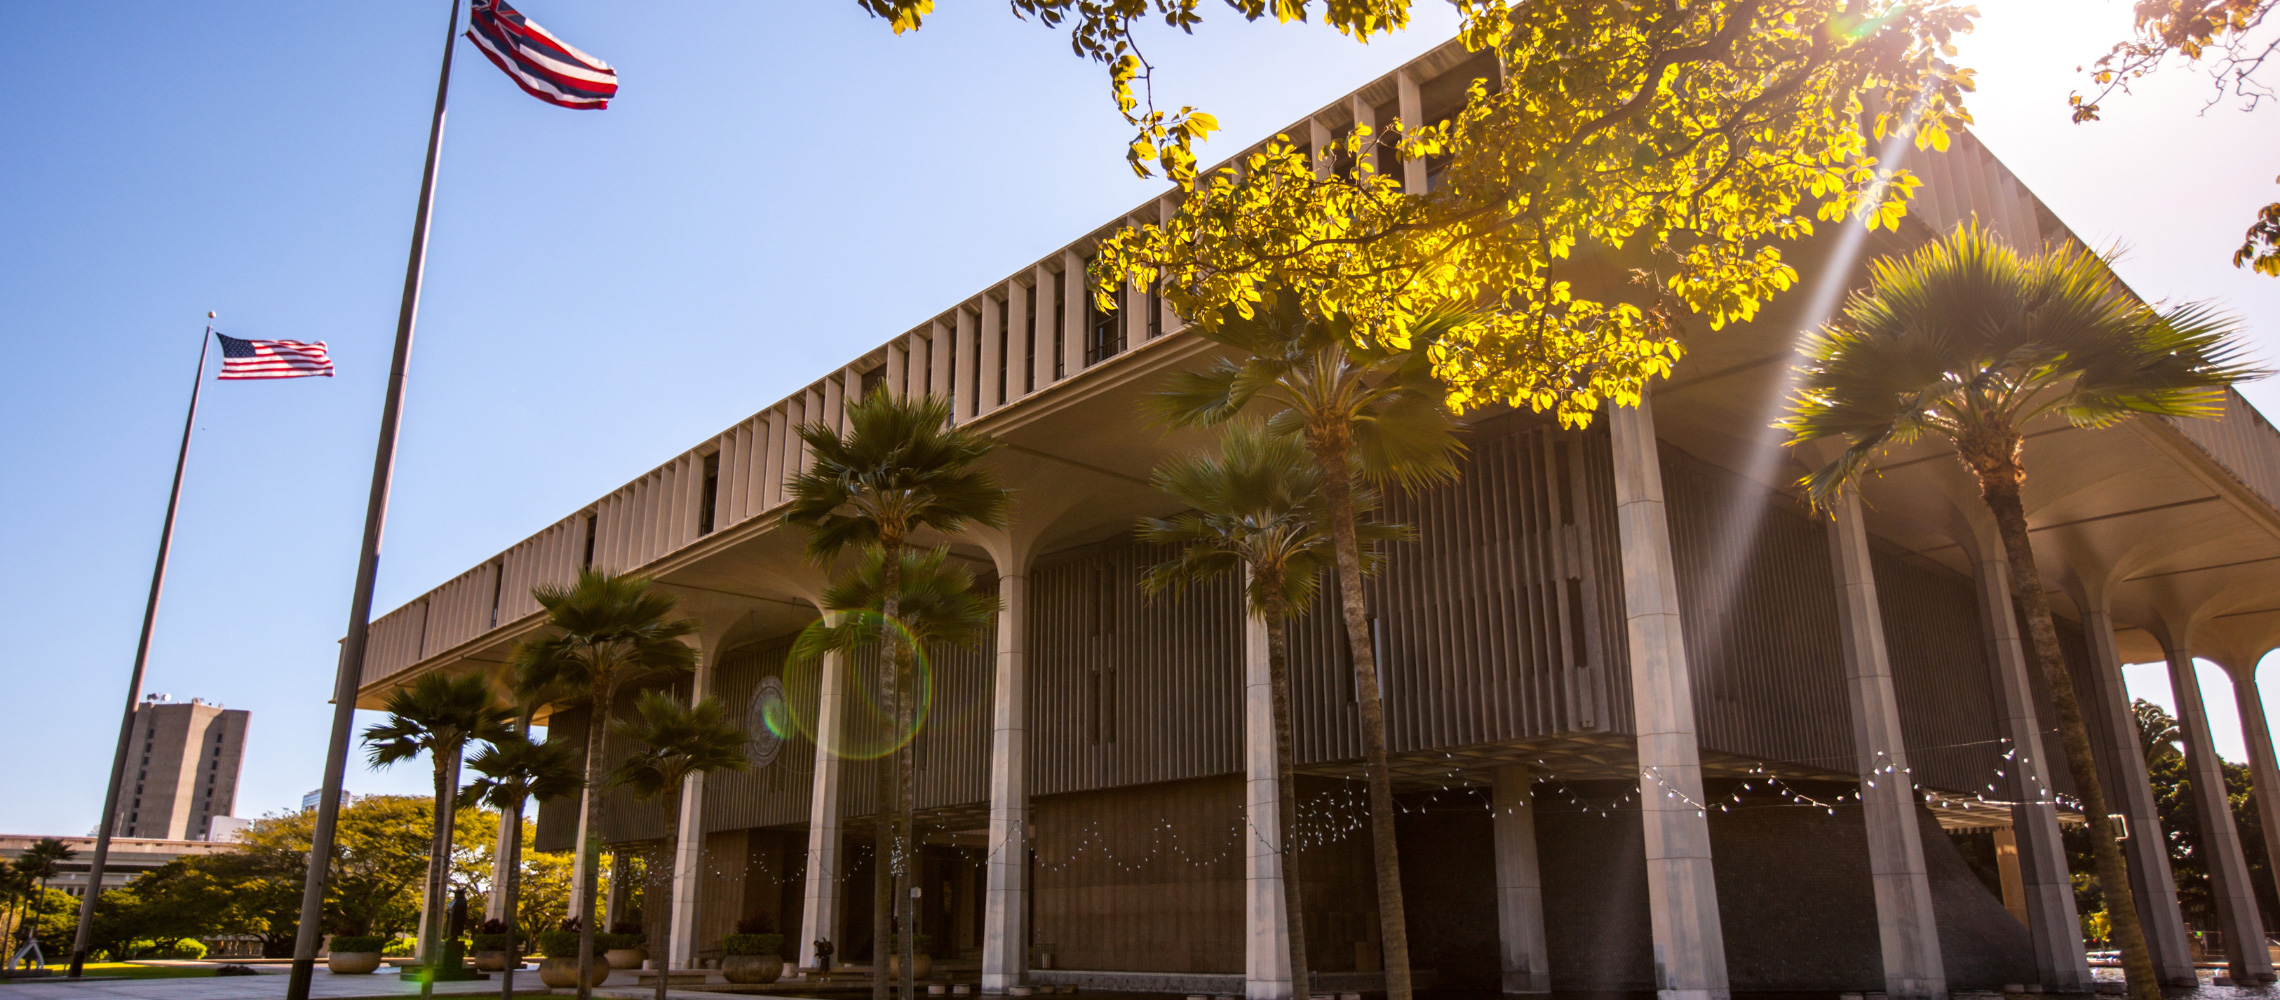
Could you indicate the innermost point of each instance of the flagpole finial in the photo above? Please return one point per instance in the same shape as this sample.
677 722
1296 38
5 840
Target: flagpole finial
209 314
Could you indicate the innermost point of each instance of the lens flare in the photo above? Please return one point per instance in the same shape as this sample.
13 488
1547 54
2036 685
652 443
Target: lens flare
857 682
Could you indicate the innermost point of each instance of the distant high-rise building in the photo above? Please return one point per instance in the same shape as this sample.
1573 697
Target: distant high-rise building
182 769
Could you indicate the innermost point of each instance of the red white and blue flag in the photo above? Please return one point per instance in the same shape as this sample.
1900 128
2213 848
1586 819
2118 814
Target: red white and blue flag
273 359
544 66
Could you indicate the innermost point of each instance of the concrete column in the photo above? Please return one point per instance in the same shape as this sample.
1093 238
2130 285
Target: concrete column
2264 772
1074 296
1519 883
1266 945
2054 931
2237 915
918 365
1318 147
495 902
993 353
819 906
2130 790
835 402
1682 892
1041 328
968 334
2007 872
1016 340
1413 173
689 849
941 355
898 368
1904 919
1005 916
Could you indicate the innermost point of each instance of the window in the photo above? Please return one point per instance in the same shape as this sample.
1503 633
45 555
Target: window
1156 309
1004 340
1104 330
708 503
973 360
872 379
589 563
498 587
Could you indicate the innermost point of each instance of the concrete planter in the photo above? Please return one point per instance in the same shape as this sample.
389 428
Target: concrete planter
752 968
562 973
491 961
626 958
920 966
353 963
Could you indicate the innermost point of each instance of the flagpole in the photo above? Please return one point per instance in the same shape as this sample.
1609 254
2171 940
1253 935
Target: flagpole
135 676
352 644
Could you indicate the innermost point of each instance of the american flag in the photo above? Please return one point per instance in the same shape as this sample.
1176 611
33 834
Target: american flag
544 66
273 359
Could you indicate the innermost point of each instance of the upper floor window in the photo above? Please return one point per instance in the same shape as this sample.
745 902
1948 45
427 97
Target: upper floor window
708 502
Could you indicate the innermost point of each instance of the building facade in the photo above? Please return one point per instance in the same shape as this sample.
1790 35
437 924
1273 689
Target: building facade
130 857
1655 726
182 769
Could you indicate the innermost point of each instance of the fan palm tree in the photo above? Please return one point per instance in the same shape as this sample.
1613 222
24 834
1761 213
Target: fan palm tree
1369 414
900 468
1257 505
438 715
39 863
936 605
675 742
607 630
1968 340
515 770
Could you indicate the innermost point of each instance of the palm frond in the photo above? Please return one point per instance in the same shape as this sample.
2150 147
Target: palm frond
674 741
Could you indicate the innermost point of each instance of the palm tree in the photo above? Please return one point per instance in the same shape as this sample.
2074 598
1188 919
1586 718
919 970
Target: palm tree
609 629
1967 340
1258 505
39 863
901 468
515 770
936 605
439 715
16 887
676 741
1365 412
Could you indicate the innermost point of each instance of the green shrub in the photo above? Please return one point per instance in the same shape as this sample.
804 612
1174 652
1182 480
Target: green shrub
487 942
560 944
614 942
751 944
187 948
400 947
360 942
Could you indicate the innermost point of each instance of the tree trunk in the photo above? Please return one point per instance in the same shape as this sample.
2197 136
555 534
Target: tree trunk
1338 489
672 875
439 871
592 806
513 908
884 842
2000 476
1286 787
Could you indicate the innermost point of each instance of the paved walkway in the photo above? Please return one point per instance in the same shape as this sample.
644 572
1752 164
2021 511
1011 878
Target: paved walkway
267 986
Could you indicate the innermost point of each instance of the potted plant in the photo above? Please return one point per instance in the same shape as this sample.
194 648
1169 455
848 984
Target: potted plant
920 965
489 942
559 970
355 954
623 945
754 954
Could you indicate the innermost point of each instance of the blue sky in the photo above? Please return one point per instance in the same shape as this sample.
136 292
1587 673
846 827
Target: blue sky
779 187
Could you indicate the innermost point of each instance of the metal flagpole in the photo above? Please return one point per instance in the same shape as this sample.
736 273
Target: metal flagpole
135 676
368 563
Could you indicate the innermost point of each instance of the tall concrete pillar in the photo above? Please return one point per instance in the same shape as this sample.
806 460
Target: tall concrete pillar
1076 292
1904 919
819 901
1041 325
495 902
2237 915
2054 931
2264 771
1266 949
689 848
942 355
1682 891
1005 916
1411 106
1519 882
993 353
2113 727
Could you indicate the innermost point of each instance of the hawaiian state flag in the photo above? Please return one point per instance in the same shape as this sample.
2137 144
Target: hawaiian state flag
544 66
